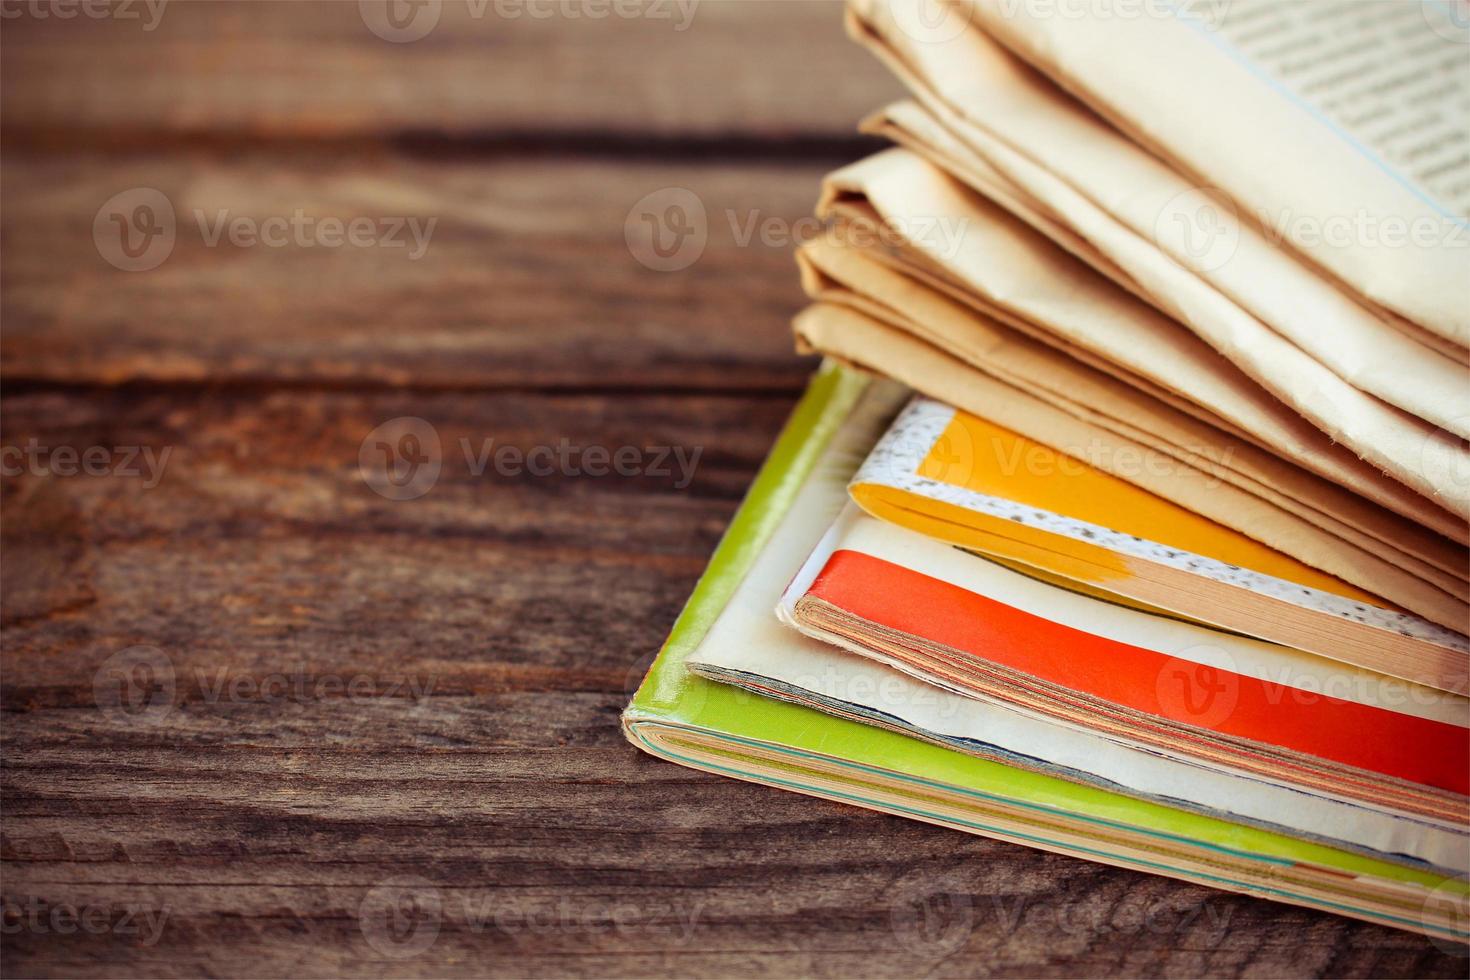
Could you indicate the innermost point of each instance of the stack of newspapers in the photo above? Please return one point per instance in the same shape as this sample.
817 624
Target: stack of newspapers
1127 517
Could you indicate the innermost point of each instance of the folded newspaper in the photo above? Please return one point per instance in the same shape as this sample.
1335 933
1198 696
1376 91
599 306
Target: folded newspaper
1167 563
1253 277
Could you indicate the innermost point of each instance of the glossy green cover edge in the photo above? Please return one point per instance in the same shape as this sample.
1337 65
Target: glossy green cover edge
669 691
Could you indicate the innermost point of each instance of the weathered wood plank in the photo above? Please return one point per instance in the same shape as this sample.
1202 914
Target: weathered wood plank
513 71
266 496
415 702
525 278
264 855
410 707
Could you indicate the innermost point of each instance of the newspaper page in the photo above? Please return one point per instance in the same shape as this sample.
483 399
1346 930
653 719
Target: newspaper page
1342 127
1114 194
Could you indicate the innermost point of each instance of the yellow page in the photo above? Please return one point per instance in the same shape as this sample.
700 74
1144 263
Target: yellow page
978 455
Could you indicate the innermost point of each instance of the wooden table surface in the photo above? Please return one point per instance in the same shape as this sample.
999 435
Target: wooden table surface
261 720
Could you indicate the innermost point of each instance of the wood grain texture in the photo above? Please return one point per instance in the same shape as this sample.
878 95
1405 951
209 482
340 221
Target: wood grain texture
542 71
470 308
351 735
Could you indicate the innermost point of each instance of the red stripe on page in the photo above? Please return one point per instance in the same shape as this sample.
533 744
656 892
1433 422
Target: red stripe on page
1420 750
